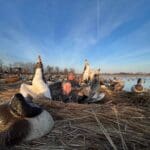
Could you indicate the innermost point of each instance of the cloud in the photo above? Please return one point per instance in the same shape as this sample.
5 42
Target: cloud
111 16
18 46
67 33
129 46
114 14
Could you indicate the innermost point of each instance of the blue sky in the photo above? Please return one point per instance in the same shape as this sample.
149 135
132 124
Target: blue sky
113 35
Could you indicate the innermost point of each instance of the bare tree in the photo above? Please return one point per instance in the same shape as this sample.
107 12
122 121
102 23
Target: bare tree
1 66
25 67
29 67
66 71
57 70
72 70
49 69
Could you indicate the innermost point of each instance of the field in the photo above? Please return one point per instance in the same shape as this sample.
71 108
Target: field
120 121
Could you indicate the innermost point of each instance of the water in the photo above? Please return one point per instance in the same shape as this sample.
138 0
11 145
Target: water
129 82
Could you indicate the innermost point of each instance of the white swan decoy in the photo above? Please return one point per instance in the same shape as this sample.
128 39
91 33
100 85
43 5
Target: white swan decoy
39 85
88 73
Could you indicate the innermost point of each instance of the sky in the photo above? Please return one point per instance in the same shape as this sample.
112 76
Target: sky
113 35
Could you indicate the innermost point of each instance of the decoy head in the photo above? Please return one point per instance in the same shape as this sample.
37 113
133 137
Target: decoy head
139 81
21 108
17 104
39 63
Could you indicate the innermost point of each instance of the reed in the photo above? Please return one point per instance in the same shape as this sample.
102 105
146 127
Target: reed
121 121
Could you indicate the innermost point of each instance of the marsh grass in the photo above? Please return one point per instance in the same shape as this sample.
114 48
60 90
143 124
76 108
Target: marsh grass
120 122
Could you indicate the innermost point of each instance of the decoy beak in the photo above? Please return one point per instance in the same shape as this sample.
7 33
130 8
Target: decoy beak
39 59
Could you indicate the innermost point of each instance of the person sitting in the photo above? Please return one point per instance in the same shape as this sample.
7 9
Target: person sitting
64 90
138 88
68 95
86 94
70 89
72 79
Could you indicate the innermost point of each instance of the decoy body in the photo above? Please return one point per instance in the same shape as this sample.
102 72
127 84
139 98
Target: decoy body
39 87
138 88
22 121
88 73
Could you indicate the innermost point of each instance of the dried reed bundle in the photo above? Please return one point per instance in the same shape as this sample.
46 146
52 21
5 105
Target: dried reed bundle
121 121
12 79
106 126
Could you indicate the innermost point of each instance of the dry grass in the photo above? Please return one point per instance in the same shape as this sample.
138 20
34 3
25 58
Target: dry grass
12 79
121 122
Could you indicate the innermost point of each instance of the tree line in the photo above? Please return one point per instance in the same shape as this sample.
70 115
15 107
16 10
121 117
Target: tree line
29 68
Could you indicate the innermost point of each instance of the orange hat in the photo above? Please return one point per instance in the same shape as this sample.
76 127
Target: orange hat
71 76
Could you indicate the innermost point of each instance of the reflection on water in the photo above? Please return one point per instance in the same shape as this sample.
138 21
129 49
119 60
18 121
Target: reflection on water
129 82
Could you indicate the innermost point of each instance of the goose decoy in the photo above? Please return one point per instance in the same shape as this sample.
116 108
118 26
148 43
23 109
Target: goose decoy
138 88
116 84
22 121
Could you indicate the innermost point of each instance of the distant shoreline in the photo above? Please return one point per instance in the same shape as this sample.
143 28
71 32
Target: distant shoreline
126 74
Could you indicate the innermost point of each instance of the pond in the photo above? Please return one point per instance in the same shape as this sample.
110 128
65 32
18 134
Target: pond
130 81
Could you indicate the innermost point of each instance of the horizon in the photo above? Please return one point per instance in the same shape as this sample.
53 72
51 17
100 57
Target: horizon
112 36
23 65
